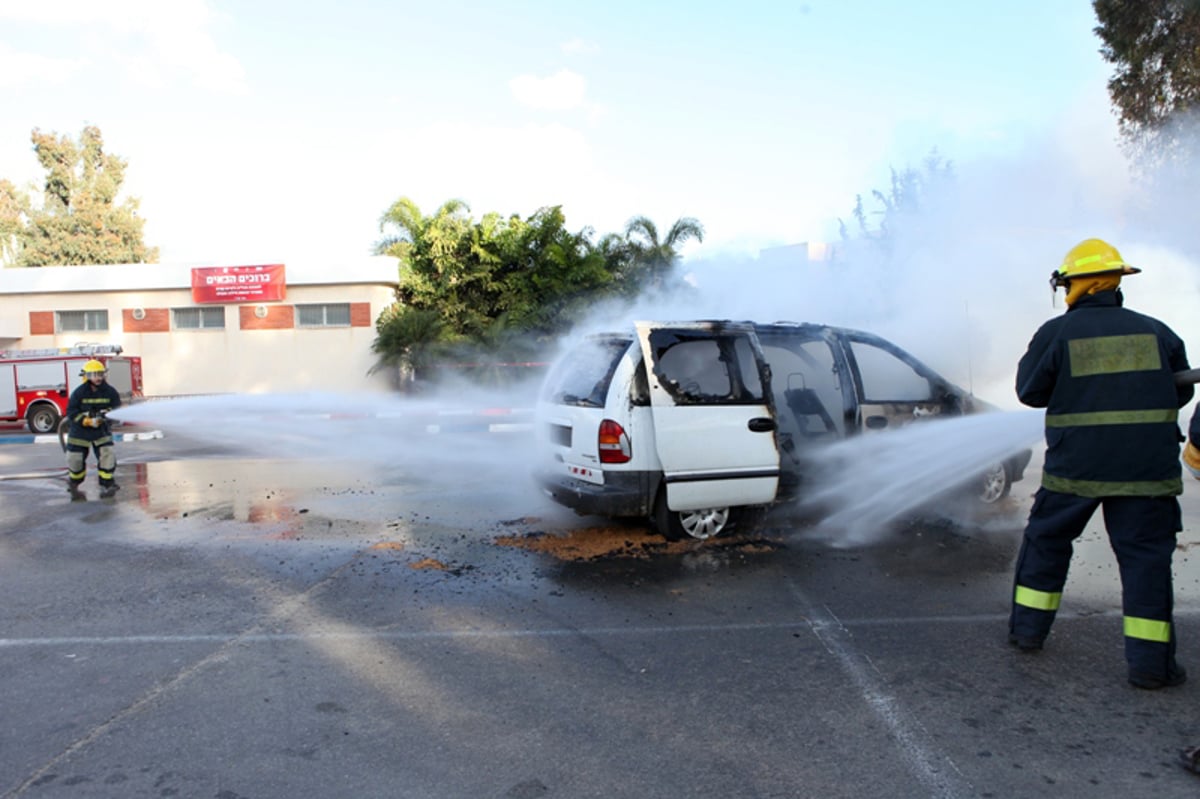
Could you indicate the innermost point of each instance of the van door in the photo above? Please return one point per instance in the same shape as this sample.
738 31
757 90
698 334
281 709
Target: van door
714 427
894 388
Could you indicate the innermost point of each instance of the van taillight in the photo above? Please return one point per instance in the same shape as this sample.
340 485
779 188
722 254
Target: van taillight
613 443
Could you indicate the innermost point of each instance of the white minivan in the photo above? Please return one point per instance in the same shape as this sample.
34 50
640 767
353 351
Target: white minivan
717 427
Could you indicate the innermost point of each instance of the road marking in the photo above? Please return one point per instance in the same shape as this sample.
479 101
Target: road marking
396 635
825 618
934 770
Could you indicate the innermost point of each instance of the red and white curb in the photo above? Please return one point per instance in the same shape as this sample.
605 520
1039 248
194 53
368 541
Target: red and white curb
50 438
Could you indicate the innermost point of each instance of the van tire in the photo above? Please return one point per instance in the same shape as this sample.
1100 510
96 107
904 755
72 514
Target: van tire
994 484
694 524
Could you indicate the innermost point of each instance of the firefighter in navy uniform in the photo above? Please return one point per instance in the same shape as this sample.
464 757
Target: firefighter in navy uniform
1104 374
91 430
1189 758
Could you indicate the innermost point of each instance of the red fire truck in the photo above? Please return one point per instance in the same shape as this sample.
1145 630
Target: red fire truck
36 384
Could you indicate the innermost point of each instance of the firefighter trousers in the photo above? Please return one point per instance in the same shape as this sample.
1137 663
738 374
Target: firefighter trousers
1141 531
106 460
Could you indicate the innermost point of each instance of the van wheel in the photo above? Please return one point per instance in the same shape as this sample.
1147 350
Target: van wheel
994 484
682 524
41 419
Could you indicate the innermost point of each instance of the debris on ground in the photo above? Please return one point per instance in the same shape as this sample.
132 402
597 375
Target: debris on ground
593 543
429 563
393 545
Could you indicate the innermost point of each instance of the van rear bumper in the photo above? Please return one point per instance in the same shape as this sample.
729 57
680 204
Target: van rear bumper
623 493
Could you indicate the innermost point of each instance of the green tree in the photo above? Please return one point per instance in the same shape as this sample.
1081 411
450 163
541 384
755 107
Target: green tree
652 259
496 287
472 273
78 220
12 225
1154 46
545 274
496 290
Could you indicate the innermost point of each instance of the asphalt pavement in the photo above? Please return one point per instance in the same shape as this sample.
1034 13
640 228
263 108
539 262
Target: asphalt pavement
234 624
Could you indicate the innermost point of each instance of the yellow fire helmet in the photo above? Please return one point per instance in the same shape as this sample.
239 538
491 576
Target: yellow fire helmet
93 367
1089 258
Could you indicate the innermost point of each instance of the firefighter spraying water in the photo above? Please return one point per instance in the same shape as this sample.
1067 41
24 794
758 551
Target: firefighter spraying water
1106 377
90 430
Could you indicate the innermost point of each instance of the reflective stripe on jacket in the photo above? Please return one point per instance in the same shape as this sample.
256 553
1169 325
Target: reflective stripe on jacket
1105 376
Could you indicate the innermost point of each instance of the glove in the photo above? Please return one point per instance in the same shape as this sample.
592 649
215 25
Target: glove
1191 459
91 421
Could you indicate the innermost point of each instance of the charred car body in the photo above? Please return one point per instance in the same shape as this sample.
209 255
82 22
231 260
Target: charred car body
718 425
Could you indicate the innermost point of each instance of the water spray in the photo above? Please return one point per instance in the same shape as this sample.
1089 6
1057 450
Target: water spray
862 485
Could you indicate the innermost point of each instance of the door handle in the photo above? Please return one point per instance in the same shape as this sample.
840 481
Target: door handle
761 424
876 422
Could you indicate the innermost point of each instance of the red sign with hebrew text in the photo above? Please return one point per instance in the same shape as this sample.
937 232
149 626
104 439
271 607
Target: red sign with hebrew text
238 283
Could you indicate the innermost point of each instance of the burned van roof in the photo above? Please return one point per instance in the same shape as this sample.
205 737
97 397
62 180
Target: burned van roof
782 327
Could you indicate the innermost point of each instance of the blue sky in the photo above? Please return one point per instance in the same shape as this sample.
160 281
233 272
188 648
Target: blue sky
266 130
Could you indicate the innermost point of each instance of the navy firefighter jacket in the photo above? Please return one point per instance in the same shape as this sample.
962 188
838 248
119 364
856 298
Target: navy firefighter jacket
1104 374
88 400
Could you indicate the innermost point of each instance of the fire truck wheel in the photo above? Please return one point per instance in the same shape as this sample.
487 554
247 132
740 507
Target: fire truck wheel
42 418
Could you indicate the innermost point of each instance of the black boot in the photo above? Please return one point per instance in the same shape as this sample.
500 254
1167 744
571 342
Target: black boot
1176 675
1026 643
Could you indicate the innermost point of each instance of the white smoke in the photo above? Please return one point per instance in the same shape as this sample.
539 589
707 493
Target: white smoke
967 282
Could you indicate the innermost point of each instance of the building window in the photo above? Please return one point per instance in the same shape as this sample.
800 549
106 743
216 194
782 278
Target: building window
336 314
198 318
80 321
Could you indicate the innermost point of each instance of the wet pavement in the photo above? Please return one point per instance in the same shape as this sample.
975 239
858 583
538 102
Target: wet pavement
240 626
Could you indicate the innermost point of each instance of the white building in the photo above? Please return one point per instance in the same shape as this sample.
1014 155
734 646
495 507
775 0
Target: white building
213 328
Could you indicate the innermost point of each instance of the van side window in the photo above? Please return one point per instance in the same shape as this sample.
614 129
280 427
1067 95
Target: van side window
887 378
693 370
706 369
806 381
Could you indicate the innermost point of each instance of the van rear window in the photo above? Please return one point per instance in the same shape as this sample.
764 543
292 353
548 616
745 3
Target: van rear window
583 376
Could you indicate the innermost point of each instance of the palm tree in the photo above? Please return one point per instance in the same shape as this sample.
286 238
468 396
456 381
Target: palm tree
408 343
410 225
653 258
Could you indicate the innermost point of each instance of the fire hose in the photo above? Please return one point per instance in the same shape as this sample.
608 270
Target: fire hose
1187 376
